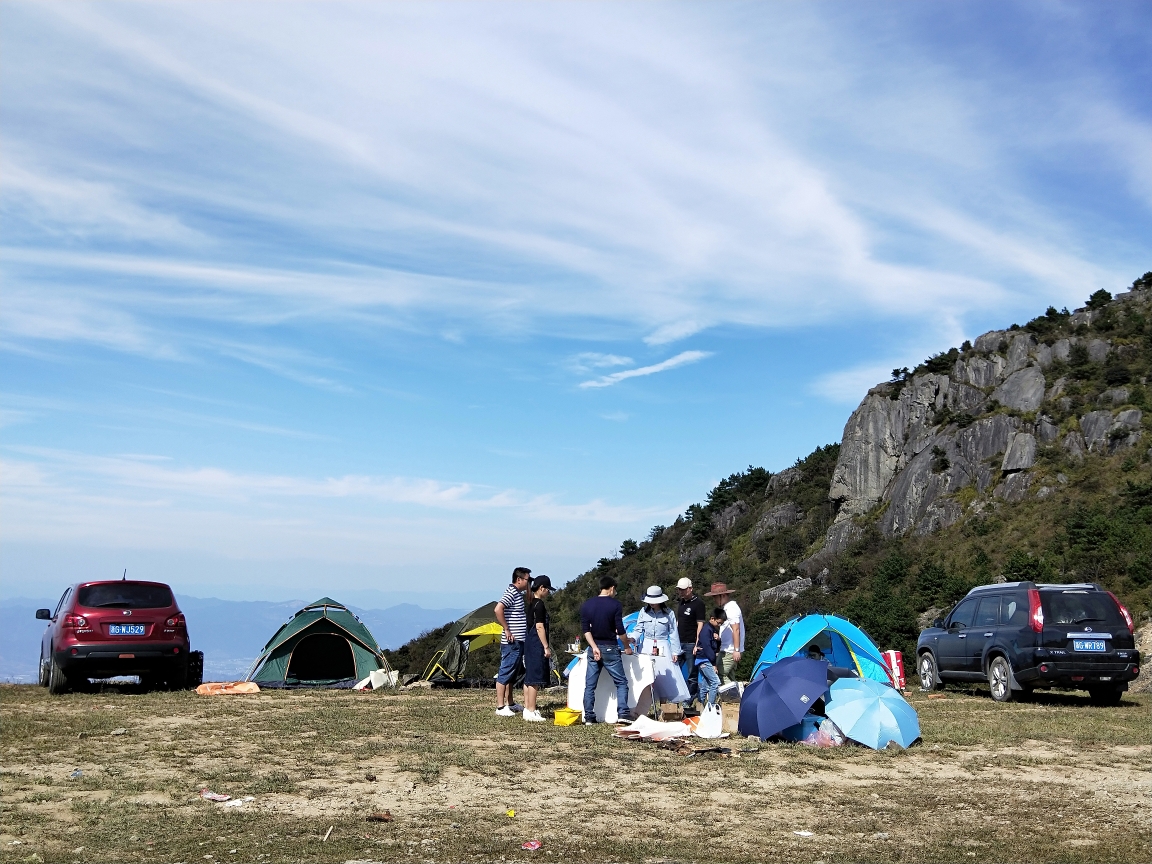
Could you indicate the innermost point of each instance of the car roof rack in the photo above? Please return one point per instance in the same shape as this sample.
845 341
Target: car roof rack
1074 586
997 585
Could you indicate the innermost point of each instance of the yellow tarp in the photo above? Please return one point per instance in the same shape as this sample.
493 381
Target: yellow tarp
483 635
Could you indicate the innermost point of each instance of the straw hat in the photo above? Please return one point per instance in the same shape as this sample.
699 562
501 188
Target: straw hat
719 589
655 595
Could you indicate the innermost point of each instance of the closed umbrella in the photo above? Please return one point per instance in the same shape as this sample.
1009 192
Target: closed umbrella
782 695
871 713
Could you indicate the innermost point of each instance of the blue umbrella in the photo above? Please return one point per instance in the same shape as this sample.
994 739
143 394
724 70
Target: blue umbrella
871 713
782 695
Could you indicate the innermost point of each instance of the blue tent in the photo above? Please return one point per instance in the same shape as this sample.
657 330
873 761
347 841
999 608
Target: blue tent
629 625
843 643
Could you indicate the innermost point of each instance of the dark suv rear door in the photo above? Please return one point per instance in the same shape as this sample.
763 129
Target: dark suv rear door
952 650
982 632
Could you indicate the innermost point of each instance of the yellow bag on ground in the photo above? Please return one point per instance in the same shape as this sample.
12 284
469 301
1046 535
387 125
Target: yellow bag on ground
566 717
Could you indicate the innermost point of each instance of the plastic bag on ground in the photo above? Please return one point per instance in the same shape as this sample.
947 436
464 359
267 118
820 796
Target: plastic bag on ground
711 723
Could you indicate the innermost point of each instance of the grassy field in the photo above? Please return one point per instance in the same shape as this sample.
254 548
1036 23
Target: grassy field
1050 780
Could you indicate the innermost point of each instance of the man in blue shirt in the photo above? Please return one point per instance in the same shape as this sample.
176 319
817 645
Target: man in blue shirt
602 621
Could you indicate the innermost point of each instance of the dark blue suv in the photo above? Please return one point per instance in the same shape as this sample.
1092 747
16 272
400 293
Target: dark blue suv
1020 636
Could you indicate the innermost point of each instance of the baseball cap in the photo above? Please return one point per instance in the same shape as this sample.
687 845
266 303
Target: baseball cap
542 582
685 582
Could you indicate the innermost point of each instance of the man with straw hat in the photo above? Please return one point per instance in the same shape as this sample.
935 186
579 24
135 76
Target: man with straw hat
731 632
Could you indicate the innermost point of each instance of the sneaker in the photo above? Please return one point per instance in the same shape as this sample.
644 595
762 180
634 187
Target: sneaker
506 711
626 717
534 717
516 708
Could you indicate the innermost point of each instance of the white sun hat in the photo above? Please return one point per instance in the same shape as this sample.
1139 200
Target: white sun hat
655 594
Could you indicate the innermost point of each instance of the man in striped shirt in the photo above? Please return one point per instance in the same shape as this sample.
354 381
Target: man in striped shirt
511 615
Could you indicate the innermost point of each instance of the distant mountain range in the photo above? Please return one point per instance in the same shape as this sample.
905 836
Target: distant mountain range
229 632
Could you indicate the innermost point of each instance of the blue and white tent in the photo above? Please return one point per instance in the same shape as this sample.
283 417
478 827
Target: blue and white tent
843 643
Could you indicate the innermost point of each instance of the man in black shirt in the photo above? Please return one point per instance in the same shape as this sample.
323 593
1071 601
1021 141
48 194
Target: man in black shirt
689 621
602 623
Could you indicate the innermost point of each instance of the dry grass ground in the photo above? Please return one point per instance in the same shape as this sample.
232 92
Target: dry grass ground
1050 780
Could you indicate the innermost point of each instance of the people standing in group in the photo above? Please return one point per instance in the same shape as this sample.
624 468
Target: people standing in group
511 614
731 633
537 652
706 648
602 623
690 619
657 636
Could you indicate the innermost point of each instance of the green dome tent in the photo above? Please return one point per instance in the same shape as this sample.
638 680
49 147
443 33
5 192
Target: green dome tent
322 645
474 630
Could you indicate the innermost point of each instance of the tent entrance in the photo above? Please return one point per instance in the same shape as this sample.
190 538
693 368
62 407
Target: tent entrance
322 657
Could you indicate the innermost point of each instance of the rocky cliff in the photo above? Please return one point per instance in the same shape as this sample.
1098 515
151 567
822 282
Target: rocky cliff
926 447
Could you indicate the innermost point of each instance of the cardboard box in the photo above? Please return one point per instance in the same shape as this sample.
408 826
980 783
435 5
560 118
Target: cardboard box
670 712
730 717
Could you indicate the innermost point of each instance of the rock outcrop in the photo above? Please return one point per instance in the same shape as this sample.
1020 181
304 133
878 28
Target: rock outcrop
786 590
912 444
781 516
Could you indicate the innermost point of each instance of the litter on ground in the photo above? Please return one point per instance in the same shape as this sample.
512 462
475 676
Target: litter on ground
239 802
208 795
227 688
531 845
384 816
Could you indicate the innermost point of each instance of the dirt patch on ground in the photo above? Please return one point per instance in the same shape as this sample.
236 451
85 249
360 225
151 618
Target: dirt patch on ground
449 771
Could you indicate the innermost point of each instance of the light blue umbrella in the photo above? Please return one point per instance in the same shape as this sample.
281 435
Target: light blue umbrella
871 713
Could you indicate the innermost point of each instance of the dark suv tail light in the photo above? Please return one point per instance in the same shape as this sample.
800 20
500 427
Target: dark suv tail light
176 620
74 622
1035 611
1123 611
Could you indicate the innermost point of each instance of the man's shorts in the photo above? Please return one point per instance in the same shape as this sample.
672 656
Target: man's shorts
511 660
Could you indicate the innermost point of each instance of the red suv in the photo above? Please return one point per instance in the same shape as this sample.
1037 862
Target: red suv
106 629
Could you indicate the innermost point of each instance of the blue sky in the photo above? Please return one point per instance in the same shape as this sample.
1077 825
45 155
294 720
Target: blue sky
315 296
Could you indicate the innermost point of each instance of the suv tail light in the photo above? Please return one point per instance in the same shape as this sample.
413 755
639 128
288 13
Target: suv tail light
74 622
1035 611
1123 611
176 620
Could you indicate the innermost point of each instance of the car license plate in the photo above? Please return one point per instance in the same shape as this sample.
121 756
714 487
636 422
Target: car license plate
1089 645
135 630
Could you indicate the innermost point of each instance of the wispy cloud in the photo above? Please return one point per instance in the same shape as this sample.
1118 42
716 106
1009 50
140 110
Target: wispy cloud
588 361
681 359
124 473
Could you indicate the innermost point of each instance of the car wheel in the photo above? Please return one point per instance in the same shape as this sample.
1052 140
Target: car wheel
43 671
1105 696
178 678
57 680
1000 679
151 682
929 674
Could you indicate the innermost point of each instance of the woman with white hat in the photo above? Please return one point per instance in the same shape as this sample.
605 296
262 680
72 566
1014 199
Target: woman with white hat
656 636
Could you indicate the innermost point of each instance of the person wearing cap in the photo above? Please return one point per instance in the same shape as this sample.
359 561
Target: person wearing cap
689 621
537 652
656 636
731 632
602 623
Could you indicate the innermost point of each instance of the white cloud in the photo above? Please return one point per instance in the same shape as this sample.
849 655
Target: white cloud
681 359
682 180
149 473
849 386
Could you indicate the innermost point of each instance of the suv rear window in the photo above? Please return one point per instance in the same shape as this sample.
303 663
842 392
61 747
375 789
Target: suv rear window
1080 607
125 595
